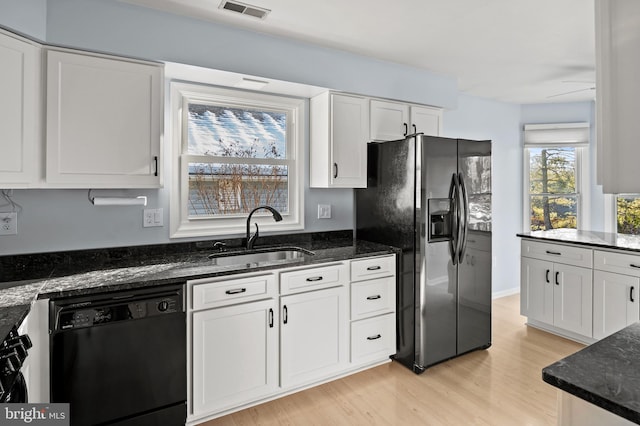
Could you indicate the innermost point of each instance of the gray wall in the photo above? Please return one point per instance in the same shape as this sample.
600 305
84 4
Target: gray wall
25 16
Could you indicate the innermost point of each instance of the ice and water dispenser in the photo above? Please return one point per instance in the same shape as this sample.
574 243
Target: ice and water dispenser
440 219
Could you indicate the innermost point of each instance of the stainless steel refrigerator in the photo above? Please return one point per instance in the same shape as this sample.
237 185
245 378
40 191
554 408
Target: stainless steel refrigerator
431 197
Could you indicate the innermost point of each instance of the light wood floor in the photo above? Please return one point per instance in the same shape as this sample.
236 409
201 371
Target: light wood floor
500 386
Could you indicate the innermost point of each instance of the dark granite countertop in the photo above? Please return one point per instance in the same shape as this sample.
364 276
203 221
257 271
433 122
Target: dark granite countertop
87 272
588 238
606 373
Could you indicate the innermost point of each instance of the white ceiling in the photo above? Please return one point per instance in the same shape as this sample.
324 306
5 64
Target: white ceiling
521 51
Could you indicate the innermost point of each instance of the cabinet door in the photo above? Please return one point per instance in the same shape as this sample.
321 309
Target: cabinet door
615 302
20 129
349 130
389 120
536 293
313 335
426 120
235 355
104 121
572 299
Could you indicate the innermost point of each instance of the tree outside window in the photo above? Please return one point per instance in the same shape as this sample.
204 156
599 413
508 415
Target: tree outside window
246 163
628 214
552 188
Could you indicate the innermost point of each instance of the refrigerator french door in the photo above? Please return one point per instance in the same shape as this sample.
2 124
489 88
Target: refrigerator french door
431 197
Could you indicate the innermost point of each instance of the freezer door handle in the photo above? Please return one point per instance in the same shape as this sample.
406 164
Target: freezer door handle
465 216
455 217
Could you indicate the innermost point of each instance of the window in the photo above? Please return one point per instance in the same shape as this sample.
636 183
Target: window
554 176
234 150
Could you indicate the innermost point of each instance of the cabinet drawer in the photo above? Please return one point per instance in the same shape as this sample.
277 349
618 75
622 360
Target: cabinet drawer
373 339
209 293
621 263
570 255
373 297
313 278
373 267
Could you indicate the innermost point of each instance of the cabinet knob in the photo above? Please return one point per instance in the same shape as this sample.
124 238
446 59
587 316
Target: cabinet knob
406 129
631 294
377 336
335 170
285 314
547 275
377 296
557 282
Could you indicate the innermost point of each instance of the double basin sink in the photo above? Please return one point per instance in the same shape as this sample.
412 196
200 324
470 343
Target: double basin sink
256 257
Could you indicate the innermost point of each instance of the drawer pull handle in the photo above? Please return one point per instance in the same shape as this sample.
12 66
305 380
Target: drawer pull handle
631 294
377 296
373 268
312 279
377 336
555 253
285 314
236 291
557 273
634 266
270 317
547 275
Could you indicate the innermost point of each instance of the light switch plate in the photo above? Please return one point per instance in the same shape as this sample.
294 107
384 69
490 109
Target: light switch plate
8 223
152 217
324 211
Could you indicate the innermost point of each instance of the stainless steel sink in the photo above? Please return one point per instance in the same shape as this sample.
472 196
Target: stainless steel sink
258 256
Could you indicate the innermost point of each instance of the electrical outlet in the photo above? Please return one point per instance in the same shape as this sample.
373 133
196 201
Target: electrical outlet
152 217
9 223
324 211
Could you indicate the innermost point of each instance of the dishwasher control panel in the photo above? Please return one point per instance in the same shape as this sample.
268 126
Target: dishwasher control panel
91 314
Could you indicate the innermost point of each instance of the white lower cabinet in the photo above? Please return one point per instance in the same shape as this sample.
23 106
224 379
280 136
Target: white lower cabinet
373 338
235 355
313 335
255 337
615 302
616 282
557 293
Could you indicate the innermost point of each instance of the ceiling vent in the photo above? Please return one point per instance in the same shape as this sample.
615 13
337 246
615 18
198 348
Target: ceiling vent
244 9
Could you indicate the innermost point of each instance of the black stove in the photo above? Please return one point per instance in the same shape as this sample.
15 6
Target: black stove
13 352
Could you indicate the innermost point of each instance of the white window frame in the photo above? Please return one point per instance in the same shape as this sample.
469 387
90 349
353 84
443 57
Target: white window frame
182 93
559 135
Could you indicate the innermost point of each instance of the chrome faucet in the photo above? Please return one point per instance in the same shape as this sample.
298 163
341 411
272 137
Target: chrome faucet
251 239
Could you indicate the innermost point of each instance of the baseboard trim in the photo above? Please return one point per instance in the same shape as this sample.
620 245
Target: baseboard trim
505 293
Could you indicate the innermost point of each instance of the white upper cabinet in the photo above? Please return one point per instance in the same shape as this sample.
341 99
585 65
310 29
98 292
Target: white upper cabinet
20 112
104 121
426 120
389 120
395 120
339 136
618 99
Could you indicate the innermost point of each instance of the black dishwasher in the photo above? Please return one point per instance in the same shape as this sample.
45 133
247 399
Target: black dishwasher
120 358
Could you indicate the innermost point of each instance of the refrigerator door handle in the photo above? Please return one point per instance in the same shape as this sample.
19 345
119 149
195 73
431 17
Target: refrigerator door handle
455 218
465 217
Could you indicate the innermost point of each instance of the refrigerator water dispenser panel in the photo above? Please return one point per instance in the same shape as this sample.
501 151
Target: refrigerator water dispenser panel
440 218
